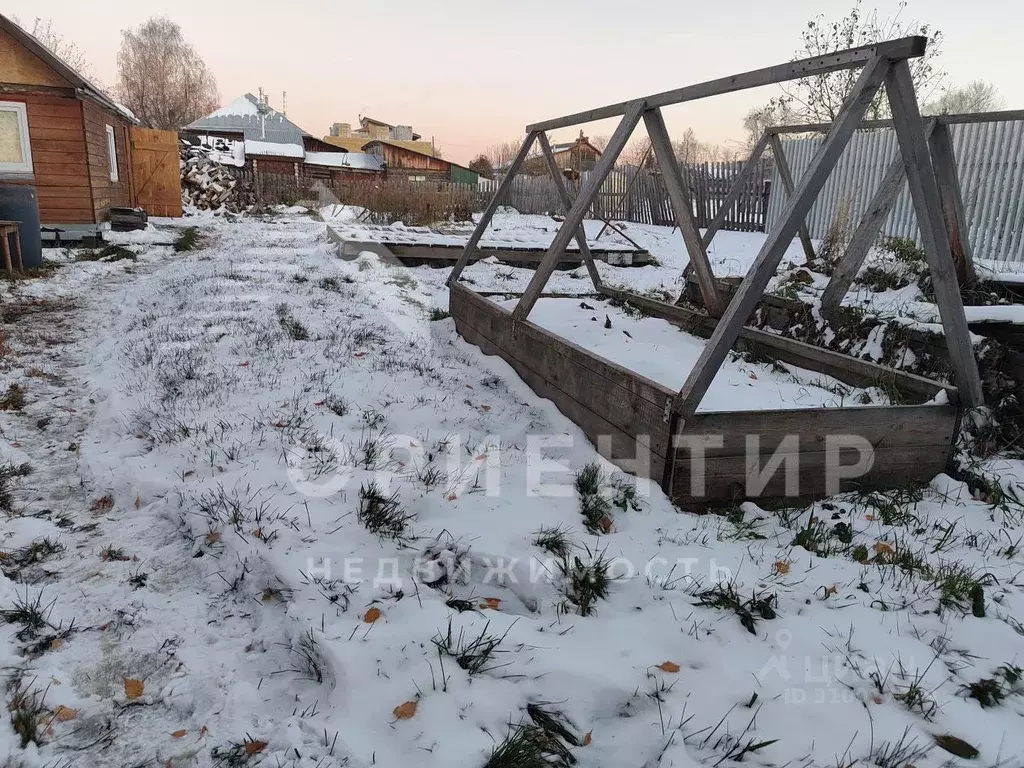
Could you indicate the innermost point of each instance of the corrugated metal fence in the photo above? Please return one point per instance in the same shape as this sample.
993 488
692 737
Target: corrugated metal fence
990 159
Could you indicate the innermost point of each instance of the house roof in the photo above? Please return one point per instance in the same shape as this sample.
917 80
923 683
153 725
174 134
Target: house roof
355 160
365 120
79 81
571 145
260 124
274 149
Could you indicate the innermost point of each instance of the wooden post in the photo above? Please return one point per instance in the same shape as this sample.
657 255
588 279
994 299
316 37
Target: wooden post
681 207
951 198
742 179
787 182
492 206
563 195
934 237
863 237
7 251
574 218
775 245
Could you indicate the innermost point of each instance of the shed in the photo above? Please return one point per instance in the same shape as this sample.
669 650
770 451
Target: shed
62 134
400 161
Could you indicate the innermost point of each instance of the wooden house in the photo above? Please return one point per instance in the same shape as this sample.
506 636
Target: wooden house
62 134
403 162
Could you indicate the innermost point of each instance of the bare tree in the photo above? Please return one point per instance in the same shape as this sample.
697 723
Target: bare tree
482 166
161 78
501 155
818 99
638 152
64 49
977 96
600 143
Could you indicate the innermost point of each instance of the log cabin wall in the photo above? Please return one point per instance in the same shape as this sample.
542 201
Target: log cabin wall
106 193
59 169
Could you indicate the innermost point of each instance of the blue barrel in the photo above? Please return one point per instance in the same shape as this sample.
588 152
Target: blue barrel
20 203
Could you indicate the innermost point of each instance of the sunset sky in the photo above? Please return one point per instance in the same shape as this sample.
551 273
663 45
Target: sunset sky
471 73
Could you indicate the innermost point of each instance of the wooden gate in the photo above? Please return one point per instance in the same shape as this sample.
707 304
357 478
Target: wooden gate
156 178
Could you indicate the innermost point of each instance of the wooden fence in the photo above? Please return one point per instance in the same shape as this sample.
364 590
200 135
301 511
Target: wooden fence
639 195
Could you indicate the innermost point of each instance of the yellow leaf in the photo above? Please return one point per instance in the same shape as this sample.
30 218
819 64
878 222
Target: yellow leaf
882 548
133 688
493 603
371 615
870 518
64 714
405 711
179 734
781 567
254 747
587 738
668 666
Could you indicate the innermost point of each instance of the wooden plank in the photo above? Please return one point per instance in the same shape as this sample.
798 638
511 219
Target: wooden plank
952 202
574 218
681 207
863 237
897 426
739 188
775 245
488 214
934 239
1000 116
849 370
56 134
566 200
787 183
891 50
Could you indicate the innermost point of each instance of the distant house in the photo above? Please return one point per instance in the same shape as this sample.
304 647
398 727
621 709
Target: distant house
61 134
402 162
266 142
572 158
354 140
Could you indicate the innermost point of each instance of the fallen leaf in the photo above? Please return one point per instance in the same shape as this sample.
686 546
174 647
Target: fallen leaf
133 688
452 497
372 615
318 403
831 590
493 603
203 731
882 548
213 537
179 734
781 567
359 354
254 747
103 503
482 457
405 711
56 643
752 375
870 518
587 738
63 714
243 365
485 408
606 524
668 666
138 502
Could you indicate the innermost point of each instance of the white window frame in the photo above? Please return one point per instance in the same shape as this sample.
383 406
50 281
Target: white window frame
112 153
25 166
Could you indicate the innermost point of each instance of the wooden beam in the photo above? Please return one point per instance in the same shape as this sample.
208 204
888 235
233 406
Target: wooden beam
934 238
574 218
863 237
952 202
682 210
563 195
742 178
891 50
787 181
492 206
775 245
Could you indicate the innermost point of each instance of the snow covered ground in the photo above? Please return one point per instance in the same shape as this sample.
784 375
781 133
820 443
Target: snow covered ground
280 514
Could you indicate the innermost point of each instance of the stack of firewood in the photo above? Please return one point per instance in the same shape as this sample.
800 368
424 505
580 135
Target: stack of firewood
209 185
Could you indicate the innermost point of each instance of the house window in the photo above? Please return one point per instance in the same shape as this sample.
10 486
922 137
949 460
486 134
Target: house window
15 153
417 178
112 152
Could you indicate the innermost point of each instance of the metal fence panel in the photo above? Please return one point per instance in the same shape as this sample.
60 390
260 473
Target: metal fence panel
990 160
